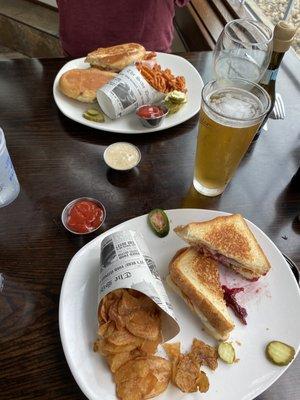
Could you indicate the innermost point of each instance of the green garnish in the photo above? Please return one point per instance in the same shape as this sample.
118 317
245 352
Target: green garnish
226 352
159 222
93 115
280 353
174 101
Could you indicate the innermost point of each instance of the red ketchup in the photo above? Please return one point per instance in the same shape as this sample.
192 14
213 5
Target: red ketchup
84 216
229 296
150 112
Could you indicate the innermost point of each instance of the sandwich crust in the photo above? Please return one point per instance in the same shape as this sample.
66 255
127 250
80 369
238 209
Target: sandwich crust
229 240
115 58
197 277
82 84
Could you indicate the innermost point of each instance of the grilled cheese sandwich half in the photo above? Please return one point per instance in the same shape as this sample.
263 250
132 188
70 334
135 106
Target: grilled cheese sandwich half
195 278
229 241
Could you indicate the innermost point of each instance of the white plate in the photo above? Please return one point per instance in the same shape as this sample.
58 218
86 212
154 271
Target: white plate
73 109
271 303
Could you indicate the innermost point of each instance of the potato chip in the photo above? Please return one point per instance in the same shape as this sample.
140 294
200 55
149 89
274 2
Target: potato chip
96 346
102 315
205 354
128 304
137 388
105 348
132 369
115 294
130 390
150 346
161 368
172 350
186 375
116 360
141 324
122 337
114 315
202 382
106 329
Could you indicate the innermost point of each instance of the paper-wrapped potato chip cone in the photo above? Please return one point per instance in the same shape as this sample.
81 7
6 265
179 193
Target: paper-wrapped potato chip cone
126 263
126 92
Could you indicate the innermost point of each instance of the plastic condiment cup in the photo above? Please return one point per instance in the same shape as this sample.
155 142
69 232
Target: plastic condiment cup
66 210
152 122
118 154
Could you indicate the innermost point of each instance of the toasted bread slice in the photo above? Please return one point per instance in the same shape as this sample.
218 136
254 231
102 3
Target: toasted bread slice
196 279
82 84
115 58
228 240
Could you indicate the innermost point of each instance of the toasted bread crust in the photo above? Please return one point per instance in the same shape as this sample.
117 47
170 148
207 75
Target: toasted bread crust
207 273
230 236
82 84
115 58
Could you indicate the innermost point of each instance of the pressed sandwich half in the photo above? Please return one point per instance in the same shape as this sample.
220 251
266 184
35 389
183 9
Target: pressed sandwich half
229 241
195 278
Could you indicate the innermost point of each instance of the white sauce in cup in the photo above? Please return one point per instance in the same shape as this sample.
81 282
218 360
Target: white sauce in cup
122 156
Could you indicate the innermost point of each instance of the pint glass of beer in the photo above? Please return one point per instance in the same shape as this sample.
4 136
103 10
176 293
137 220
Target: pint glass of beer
230 115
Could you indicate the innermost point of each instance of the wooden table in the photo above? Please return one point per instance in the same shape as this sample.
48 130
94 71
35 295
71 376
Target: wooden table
57 160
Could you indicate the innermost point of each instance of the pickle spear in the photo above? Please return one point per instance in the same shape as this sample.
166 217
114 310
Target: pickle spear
280 353
226 352
159 222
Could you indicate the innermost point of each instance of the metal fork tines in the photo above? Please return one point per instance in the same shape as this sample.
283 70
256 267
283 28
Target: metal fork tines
278 111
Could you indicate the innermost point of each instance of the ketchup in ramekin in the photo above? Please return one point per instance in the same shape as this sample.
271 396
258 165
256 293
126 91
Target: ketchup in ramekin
83 215
151 115
150 112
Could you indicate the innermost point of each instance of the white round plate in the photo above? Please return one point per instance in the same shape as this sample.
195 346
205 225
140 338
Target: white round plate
73 109
271 303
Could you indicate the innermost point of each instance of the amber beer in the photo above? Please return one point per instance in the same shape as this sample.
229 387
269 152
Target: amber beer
230 116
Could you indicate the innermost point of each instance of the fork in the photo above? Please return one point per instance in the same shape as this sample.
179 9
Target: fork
278 111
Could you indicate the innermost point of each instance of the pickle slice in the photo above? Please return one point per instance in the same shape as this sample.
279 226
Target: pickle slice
226 352
176 97
280 353
159 222
92 111
99 117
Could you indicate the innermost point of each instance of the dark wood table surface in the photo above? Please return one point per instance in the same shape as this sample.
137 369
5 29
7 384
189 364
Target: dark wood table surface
57 160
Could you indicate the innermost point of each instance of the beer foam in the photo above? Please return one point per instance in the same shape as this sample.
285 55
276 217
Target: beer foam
235 103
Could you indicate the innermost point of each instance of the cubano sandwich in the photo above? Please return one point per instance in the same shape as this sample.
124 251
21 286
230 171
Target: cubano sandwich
229 241
195 278
115 58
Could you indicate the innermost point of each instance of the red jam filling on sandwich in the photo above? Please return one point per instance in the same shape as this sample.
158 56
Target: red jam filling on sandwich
229 297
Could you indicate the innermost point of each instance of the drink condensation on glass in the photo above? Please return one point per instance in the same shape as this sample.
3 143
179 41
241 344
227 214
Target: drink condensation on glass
9 185
230 115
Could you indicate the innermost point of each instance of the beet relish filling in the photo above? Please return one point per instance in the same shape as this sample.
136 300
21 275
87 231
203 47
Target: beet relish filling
229 296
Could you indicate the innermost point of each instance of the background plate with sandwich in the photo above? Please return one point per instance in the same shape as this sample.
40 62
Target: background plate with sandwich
272 304
128 124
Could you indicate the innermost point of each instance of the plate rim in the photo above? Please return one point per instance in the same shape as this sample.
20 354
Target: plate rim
142 130
84 388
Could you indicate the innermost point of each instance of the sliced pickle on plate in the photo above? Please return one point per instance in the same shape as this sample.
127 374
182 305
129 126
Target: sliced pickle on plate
280 353
159 222
93 115
226 352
